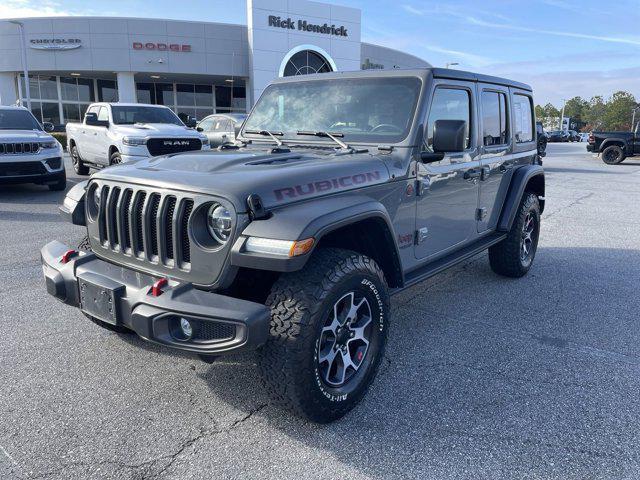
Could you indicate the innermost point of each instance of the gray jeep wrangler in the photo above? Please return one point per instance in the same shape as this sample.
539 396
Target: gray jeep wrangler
341 190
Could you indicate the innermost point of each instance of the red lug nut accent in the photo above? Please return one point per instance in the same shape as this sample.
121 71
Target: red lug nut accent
156 289
68 255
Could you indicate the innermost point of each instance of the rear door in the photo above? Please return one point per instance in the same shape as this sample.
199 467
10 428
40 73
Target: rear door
446 207
496 159
85 135
102 141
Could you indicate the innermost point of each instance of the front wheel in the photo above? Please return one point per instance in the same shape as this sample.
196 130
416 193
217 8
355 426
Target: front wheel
78 166
514 256
115 158
329 325
613 155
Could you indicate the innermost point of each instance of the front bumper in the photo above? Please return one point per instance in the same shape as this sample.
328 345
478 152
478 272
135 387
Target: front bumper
221 324
34 170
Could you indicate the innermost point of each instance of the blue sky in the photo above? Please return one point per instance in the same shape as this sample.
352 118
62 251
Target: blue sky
561 47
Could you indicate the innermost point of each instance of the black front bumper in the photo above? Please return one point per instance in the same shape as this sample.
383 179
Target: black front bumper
221 324
32 172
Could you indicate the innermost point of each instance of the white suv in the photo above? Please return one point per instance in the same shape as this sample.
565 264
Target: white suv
27 153
113 133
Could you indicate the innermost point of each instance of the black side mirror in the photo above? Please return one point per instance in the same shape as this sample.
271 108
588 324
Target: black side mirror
449 136
191 122
200 129
91 118
48 127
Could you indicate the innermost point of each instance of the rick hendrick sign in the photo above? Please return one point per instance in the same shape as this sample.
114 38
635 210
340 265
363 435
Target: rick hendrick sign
304 26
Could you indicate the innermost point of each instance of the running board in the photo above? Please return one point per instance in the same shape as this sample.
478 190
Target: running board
441 264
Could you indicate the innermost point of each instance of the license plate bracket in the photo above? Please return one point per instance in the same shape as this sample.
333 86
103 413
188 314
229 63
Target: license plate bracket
99 297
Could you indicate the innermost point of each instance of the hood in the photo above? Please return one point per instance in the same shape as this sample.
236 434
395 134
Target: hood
278 178
158 130
7 136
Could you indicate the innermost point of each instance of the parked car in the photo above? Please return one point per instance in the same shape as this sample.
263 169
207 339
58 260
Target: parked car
614 147
113 133
558 136
573 136
293 240
221 128
542 140
28 154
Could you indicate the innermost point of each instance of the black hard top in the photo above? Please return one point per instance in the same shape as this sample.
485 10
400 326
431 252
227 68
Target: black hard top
418 72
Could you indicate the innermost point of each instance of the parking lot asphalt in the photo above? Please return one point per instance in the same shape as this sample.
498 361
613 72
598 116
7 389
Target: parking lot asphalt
484 377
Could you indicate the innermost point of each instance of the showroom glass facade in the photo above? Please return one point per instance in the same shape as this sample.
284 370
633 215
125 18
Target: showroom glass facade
60 99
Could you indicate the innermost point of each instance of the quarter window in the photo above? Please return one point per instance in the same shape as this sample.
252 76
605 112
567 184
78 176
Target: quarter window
494 119
449 104
523 118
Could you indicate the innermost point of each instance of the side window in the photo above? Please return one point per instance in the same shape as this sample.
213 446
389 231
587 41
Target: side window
228 126
103 115
94 109
207 124
523 118
494 119
449 104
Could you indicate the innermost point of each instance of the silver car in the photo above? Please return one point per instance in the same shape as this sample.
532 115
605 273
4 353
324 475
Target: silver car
221 127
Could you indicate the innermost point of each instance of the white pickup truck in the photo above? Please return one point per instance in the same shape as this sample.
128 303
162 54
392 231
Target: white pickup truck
120 132
28 154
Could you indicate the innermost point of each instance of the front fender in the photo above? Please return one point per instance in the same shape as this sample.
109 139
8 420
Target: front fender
72 208
529 175
614 141
300 221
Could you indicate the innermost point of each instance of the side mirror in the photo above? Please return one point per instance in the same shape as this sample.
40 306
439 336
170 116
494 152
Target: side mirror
91 118
200 129
48 127
449 136
191 122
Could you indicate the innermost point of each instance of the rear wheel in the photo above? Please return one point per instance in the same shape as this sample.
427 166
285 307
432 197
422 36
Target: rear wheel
613 155
329 326
514 256
78 166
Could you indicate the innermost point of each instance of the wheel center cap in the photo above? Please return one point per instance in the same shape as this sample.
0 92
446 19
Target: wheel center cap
343 336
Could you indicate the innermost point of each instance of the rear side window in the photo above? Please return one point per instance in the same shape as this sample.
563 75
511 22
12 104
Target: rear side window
449 104
495 130
523 118
103 116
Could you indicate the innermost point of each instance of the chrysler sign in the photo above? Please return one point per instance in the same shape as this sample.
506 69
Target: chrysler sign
55 43
305 26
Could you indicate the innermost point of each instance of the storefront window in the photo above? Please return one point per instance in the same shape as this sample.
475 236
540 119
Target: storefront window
86 92
51 113
223 98
164 94
185 95
145 92
239 100
107 91
204 95
48 88
71 112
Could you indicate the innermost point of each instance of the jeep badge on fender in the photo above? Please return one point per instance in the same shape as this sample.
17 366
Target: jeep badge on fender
292 240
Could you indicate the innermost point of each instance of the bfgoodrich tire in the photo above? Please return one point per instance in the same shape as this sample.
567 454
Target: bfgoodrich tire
514 256
329 326
78 166
613 155
115 158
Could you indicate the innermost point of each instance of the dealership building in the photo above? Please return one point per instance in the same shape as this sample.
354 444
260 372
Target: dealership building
195 68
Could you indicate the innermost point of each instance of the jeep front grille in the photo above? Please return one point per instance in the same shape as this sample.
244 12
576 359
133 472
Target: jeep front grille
148 225
19 148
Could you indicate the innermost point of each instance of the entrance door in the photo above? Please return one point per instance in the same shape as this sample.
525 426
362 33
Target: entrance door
446 208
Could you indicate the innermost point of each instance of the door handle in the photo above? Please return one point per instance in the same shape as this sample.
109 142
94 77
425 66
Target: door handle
472 173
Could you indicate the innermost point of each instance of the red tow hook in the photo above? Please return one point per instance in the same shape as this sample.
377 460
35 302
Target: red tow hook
156 289
68 255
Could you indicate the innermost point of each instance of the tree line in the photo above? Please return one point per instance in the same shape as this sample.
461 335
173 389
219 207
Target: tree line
613 113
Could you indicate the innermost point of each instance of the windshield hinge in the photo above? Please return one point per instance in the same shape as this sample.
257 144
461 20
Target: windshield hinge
256 207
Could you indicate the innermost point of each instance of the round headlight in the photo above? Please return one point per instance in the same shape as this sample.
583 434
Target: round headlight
219 223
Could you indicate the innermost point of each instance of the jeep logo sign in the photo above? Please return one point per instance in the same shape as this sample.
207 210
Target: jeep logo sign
161 47
173 143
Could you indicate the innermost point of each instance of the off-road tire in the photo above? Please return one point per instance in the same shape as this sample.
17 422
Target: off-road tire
115 158
300 303
505 257
78 165
613 155
84 244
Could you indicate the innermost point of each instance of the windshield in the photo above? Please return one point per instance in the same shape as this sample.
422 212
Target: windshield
18 120
371 110
134 114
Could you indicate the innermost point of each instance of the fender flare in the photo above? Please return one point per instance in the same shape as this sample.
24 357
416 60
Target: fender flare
72 208
519 181
315 218
615 140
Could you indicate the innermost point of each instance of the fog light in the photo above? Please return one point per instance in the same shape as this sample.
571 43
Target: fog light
187 329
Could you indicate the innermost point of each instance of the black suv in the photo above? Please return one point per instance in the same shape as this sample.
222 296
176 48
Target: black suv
343 189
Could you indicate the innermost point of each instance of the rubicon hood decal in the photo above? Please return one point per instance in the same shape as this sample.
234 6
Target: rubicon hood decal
344 182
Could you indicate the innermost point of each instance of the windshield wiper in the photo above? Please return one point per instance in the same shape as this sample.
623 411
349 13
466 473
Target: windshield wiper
332 136
267 133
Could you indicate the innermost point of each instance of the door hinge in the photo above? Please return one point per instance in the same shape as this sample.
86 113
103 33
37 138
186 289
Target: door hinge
422 186
421 235
481 214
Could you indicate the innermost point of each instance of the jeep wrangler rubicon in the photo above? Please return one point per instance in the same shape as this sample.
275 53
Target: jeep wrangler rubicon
342 189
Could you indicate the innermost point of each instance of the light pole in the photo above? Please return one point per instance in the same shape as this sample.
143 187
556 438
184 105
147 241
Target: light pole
25 70
450 64
564 102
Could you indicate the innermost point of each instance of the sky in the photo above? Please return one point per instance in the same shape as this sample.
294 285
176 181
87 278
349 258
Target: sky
562 48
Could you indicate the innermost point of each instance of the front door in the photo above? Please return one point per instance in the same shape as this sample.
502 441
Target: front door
496 160
448 189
